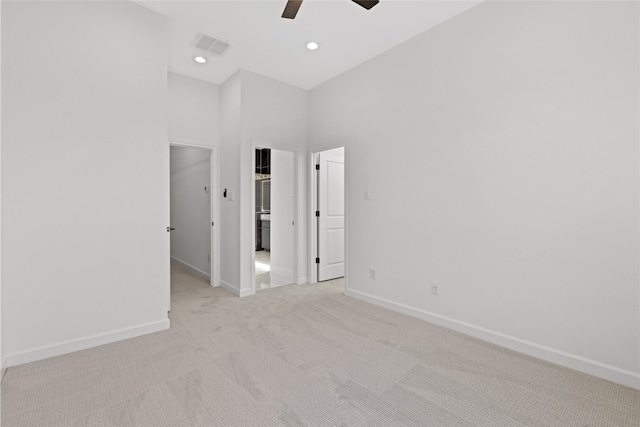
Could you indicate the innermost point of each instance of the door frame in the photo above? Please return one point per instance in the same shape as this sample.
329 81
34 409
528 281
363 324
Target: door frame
255 144
313 206
214 179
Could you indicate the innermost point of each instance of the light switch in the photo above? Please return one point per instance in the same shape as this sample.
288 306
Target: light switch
230 195
365 193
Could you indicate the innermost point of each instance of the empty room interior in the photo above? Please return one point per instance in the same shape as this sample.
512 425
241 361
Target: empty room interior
320 213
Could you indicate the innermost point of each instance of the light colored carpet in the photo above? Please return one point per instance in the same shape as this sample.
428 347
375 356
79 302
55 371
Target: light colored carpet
304 355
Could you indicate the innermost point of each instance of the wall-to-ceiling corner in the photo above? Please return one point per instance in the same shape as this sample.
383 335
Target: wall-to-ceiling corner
84 245
500 151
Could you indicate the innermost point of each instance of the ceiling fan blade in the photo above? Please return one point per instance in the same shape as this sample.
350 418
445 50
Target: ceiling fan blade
291 9
366 4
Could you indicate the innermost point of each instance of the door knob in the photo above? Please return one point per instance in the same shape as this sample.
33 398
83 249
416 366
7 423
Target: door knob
169 229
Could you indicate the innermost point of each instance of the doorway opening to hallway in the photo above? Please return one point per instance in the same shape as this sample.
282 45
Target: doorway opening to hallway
193 196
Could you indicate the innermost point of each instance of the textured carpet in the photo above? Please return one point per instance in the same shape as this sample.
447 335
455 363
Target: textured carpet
304 355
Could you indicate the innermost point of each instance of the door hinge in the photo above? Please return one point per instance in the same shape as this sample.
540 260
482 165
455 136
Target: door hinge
317 167
317 213
170 229
317 260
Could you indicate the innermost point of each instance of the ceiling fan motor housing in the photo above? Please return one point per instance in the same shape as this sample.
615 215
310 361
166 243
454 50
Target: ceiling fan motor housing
291 9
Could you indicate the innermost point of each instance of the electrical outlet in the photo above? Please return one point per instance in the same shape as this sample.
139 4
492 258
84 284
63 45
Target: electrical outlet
372 274
435 289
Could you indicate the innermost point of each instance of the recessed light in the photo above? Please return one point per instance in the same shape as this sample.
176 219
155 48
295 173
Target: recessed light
200 59
312 45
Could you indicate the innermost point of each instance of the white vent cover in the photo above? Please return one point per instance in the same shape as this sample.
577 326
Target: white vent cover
210 44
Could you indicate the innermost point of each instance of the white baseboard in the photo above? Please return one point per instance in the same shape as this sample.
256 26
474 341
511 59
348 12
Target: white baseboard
572 361
282 272
277 285
191 267
64 347
229 287
302 280
280 276
234 290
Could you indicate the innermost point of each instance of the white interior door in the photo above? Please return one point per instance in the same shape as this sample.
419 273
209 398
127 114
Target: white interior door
282 207
331 214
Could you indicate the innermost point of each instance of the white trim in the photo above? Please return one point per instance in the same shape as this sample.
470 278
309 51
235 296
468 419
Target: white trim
280 276
191 267
253 217
2 361
64 347
559 357
313 225
282 272
234 290
214 198
302 280
273 286
246 293
229 287
347 169
188 144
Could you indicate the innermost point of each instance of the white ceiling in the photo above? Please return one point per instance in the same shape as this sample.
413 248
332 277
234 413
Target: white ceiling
267 44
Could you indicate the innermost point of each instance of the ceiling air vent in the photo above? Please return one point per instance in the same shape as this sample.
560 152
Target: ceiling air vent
210 44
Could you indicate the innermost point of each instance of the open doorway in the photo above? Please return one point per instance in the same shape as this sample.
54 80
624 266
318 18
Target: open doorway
274 208
192 213
328 223
262 184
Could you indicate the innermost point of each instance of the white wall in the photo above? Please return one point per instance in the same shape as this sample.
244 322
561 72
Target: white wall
256 111
501 153
1 314
282 214
274 115
337 152
194 111
231 114
194 119
191 207
84 246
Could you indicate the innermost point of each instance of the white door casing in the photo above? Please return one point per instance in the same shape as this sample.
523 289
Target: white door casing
331 216
214 247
